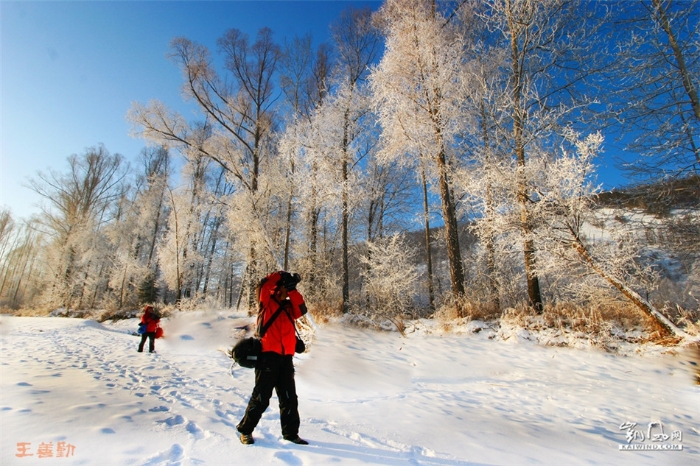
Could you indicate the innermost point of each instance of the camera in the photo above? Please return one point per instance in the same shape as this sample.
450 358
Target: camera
290 280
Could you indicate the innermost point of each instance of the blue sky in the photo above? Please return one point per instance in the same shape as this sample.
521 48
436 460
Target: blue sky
70 71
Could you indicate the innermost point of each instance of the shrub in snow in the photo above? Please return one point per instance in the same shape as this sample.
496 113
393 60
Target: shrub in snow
606 327
469 308
390 279
123 314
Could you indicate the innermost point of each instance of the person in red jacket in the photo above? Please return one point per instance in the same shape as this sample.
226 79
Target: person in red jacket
150 319
275 368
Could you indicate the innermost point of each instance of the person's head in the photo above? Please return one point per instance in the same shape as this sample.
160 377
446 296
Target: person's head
148 309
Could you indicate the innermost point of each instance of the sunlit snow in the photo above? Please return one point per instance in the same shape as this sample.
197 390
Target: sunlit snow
76 392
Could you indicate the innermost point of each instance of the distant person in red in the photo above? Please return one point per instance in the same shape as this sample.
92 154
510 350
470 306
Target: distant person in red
150 319
275 368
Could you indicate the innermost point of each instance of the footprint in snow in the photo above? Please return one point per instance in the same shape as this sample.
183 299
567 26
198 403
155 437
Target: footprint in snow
159 409
421 452
39 392
195 430
174 421
174 456
289 458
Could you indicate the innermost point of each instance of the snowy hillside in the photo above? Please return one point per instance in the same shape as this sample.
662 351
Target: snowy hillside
76 392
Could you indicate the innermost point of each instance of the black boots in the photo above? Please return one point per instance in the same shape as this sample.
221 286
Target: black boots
298 440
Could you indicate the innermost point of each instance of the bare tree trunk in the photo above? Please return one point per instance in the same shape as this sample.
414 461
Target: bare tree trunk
84 285
314 241
433 96
489 240
67 289
358 43
123 286
178 274
7 272
19 282
252 271
214 237
533 284
96 289
156 227
27 254
630 294
288 232
449 214
428 252
491 254
345 216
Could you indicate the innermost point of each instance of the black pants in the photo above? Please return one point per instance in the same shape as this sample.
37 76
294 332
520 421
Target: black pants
273 371
151 341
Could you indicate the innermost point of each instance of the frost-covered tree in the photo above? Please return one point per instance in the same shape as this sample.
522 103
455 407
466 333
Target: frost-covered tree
213 237
304 79
7 225
152 211
80 203
655 83
237 132
390 278
477 179
186 224
566 215
20 248
389 197
137 232
157 172
8 242
316 199
343 123
337 144
416 88
551 55
122 264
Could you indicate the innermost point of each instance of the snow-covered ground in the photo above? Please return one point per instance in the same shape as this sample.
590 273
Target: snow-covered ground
78 390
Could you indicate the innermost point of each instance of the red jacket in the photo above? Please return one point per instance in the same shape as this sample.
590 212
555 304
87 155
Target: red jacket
280 337
150 320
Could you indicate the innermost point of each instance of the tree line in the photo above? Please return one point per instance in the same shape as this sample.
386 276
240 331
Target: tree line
484 117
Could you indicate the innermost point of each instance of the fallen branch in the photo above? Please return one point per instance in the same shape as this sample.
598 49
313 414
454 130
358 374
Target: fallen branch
630 294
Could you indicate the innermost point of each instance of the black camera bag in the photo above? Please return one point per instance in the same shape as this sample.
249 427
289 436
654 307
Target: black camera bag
248 350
